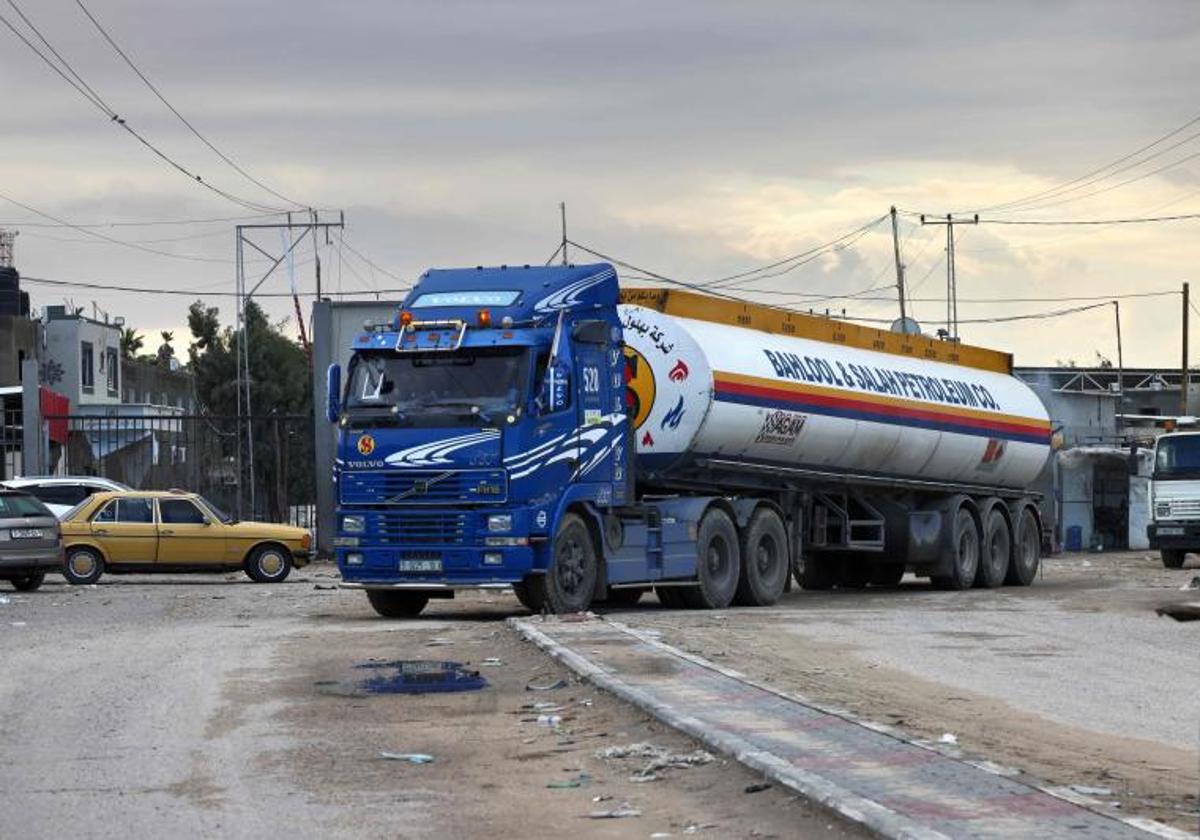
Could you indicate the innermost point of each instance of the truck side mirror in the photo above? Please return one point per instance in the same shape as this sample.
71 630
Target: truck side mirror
333 393
555 391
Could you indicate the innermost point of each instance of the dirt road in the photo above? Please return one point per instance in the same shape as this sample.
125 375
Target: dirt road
1074 679
200 706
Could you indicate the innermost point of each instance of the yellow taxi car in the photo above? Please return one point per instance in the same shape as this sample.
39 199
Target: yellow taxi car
137 531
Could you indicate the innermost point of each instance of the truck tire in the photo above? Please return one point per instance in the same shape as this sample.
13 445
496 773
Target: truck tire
1027 551
571 578
29 582
83 565
670 597
964 554
531 592
397 603
816 570
996 551
764 551
887 574
718 563
1172 558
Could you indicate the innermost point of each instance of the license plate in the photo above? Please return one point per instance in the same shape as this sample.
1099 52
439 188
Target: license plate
27 533
420 565
1170 532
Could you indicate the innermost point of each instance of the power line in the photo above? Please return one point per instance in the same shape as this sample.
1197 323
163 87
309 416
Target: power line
113 287
153 223
371 263
107 238
83 89
1127 221
161 98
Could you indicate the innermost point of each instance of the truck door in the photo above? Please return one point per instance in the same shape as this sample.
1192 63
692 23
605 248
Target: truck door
594 389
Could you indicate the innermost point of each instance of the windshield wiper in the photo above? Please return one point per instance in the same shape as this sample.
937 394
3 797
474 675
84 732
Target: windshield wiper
474 409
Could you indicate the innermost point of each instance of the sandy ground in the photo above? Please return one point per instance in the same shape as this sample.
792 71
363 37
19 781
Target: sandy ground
205 706
1074 680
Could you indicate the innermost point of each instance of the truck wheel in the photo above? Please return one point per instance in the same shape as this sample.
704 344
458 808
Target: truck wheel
1172 558
624 597
887 574
397 603
997 550
718 565
28 583
670 597
531 592
84 565
964 554
1028 554
571 578
854 574
817 571
764 561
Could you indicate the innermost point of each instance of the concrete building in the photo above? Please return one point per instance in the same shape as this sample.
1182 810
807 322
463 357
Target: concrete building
82 358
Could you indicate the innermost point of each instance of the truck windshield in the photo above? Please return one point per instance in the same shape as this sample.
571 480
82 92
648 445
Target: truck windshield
1178 456
463 387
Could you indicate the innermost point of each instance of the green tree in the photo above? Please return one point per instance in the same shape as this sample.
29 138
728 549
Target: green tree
280 400
131 343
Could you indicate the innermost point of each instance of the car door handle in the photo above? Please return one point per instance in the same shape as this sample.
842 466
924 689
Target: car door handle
101 532
167 531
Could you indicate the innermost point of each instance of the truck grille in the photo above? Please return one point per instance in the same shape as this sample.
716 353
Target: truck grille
411 528
422 487
1178 509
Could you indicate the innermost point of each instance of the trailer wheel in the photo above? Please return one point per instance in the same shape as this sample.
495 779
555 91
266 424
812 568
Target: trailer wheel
670 597
1172 558
764 560
397 603
531 592
1028 554
571 578
816 570
964 554
996 551
718 564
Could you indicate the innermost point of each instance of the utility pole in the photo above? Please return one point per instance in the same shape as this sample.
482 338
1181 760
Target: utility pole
951 276
899 265
1120 360
562 207
1183 368
294 233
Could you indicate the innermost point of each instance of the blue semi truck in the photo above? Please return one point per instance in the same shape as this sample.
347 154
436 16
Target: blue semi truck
543 429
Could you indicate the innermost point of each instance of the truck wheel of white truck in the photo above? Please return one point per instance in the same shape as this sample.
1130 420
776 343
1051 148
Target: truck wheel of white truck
764 560
718 563
571 578
964 554
1173 558
1027 550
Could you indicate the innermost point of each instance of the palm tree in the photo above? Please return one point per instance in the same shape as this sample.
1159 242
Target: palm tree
165 350
131 342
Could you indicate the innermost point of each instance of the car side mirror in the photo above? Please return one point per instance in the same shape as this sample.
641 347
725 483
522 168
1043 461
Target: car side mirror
333 393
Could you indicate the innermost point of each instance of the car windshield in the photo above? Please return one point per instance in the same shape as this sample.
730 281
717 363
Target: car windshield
19 504
1178 456
436 388
216 511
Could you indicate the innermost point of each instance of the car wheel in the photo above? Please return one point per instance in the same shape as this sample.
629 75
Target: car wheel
28 583
269 564
718 563
392 603
571 578
83 565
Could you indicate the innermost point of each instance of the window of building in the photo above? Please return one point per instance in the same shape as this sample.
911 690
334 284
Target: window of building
87 366
112 370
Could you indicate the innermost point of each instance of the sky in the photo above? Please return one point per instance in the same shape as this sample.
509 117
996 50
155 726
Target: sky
692 139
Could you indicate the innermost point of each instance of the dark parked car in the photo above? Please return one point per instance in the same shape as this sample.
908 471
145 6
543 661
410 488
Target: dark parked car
30 542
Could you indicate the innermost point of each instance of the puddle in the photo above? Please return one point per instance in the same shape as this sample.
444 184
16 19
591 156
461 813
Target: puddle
418 676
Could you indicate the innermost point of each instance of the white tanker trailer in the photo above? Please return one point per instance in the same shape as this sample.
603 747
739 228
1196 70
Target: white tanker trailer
885 452
543 428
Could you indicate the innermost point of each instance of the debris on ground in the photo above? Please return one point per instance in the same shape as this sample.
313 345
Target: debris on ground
1087 790
438 641
757 787
657 759
565 784
325 586
549 720
492 660
411 758
615 814
557 684
948 738
4 599
1181 612
1194 583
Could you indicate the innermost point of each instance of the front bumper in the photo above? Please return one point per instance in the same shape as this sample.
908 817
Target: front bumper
463 567
1174 535
29 560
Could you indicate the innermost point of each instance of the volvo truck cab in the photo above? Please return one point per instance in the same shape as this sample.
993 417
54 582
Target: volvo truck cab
1174 495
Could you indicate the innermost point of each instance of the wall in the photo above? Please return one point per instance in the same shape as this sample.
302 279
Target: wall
148 383
19 339
60 362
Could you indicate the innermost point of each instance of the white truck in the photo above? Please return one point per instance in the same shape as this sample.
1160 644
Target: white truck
1174 495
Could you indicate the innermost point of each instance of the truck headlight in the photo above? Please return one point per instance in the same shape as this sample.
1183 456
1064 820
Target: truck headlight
499 522
1162 508
355 524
